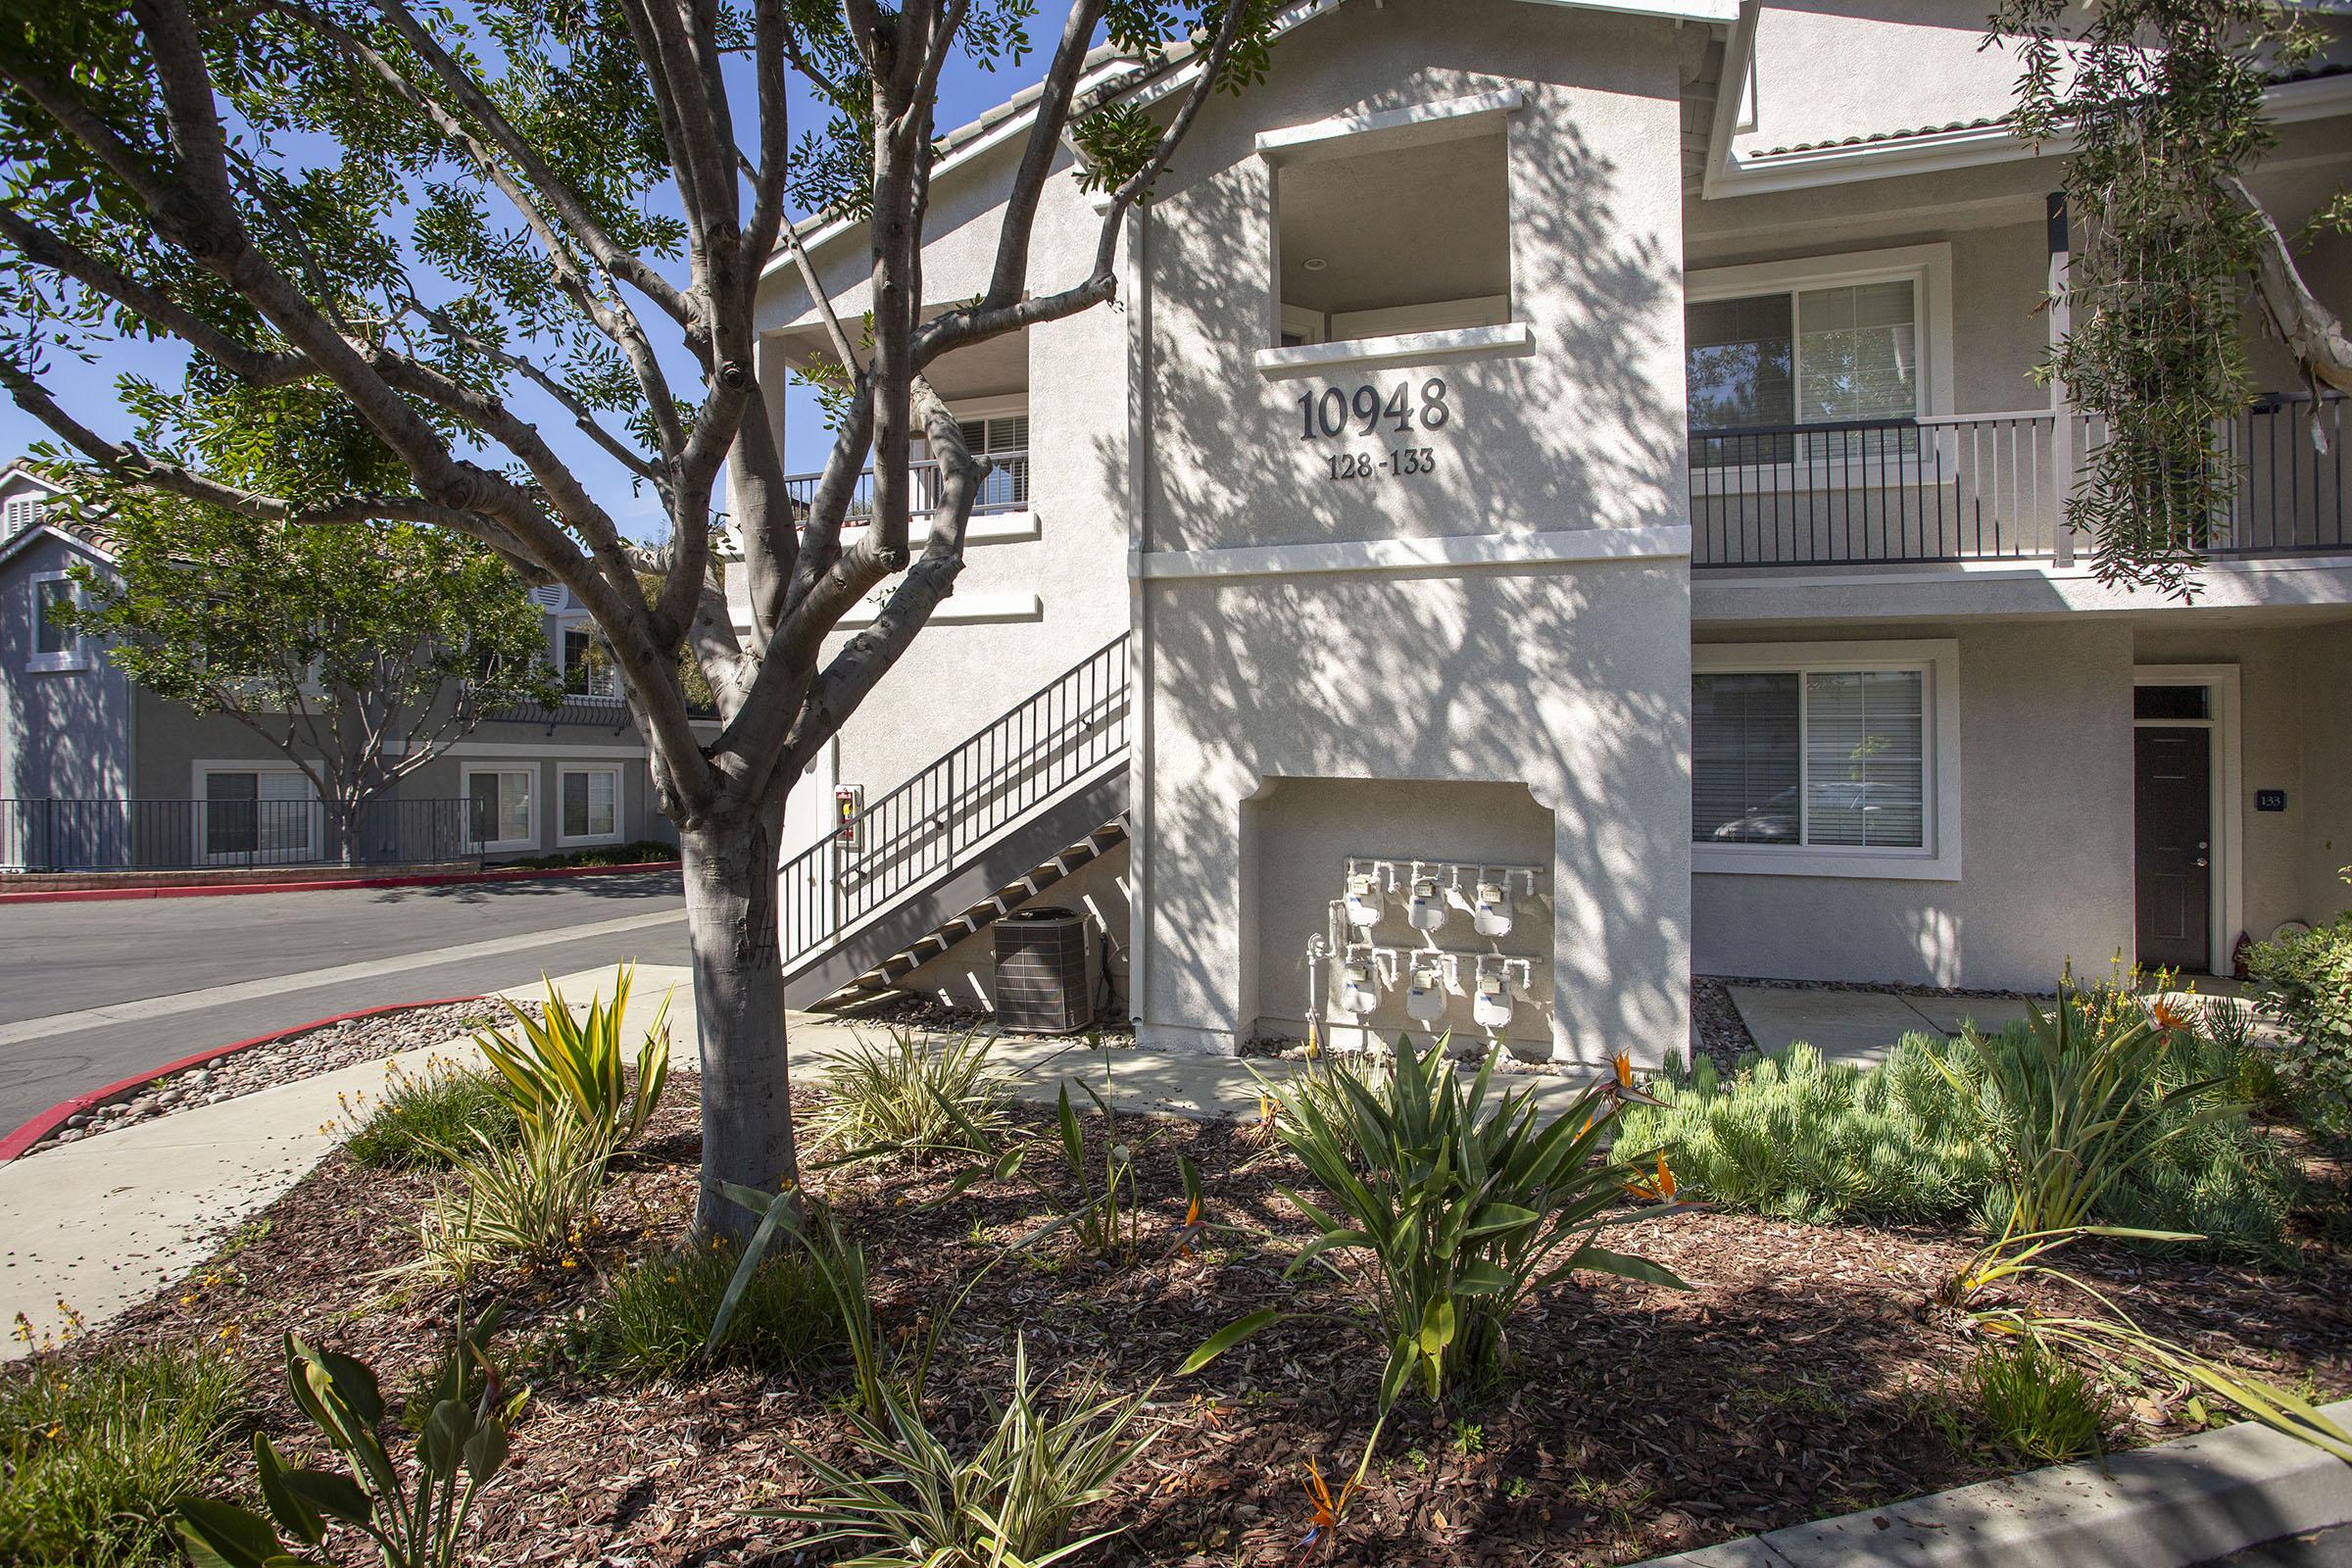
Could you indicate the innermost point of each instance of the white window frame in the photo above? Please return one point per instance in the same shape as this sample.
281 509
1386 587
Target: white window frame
1938 659
2226 909
565 626
1354 135
1928 270
621 804
77 656
313 821
530 804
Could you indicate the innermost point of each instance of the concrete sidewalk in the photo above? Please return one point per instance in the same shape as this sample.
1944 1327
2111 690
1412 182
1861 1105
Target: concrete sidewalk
102 1224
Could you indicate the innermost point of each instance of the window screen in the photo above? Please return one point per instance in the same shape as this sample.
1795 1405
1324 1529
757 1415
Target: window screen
1743 762
1831 759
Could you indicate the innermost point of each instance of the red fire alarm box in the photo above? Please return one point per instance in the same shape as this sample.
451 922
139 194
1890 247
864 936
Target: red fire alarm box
849 803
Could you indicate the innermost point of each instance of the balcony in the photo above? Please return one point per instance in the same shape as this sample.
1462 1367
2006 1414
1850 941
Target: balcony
1005 489
1989 487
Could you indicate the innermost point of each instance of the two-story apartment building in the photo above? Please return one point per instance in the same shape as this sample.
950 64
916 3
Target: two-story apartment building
1562 502
96 772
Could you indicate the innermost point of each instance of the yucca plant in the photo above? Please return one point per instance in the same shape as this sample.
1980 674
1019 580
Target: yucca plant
1450 1212
418 1523
914 1097
566 1068
1010 1504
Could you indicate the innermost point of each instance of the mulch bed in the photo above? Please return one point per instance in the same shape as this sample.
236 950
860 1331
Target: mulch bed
1803 1376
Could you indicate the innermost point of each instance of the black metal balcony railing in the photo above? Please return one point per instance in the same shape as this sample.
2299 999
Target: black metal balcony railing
1005 489
1056 738
1988 487
96 835
576 710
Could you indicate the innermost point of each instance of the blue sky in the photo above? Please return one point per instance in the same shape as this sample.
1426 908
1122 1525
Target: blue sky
87 390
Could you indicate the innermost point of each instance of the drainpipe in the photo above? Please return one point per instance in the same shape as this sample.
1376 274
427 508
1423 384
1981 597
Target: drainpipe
1139 663
2062 413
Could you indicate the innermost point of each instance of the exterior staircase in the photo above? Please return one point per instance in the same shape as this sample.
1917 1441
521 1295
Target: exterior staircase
1008 813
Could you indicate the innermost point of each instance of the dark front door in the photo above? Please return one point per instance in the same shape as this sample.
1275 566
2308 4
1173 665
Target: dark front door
2173 800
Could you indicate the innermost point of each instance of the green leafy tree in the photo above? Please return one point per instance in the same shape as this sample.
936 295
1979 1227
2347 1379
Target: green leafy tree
350 650
2160 103
448 219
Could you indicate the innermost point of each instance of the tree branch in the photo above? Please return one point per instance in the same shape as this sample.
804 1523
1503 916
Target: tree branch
2311 332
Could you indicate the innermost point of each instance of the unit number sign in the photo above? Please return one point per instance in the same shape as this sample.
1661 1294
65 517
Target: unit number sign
1337 414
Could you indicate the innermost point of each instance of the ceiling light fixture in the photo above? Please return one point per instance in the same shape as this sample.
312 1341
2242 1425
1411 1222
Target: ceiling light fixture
1315 264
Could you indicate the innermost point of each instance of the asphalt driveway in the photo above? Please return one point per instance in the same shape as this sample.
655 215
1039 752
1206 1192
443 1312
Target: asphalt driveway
90 992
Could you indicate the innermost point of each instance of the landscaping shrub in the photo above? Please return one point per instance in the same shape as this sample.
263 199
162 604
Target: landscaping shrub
565 1069
1449 1213
96 1453
636 852
412 1522
2310 996
2037 1402
915 1094
659 1315
1798 1137
1921 1136
527 1198
420 1116
1012 1501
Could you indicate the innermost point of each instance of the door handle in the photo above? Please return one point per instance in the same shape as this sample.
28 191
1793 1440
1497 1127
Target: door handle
2200 860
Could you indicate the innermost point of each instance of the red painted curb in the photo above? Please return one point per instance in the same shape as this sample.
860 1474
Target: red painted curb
219 890
48 1121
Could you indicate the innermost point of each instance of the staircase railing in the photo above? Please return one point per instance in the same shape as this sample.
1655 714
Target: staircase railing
923 828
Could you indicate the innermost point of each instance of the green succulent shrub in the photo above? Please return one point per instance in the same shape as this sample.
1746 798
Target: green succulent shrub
1798 1137
420 1116
657 1318
2309 976
97 1451
1927 1135
2037 1402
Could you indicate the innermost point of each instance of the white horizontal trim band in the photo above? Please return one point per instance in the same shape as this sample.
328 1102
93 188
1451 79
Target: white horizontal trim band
1290 138
963 610
1308 359
1557 546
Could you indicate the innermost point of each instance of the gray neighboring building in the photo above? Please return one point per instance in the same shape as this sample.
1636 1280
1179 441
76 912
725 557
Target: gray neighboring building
97 773
1564 502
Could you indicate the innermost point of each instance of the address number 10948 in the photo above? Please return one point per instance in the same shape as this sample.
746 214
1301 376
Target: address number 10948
1326 416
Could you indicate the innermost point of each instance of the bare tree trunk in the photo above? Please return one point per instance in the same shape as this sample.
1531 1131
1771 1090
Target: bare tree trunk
343 829
730 871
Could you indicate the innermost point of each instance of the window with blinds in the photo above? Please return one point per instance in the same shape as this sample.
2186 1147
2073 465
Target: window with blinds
1798 357
1829 759
1003 438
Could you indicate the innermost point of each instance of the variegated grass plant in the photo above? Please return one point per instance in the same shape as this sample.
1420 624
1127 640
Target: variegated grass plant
912 1095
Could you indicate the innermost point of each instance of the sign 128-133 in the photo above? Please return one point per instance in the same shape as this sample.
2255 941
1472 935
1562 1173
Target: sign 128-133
1328 416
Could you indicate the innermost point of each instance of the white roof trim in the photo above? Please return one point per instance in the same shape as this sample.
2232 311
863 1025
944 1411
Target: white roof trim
1292 138
17 545
1729 175
20 469
1713 11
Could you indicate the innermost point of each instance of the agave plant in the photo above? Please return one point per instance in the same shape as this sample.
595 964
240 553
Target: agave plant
1451 1211
566 1067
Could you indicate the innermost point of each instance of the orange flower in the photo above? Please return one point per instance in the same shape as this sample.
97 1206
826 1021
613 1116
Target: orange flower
2167 1016
1323 1519
1190 1231
1623 1063
1658 1191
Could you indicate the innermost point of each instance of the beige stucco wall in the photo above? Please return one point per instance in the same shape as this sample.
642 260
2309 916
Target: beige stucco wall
1900 64
2295 692
2045 741
1570 680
